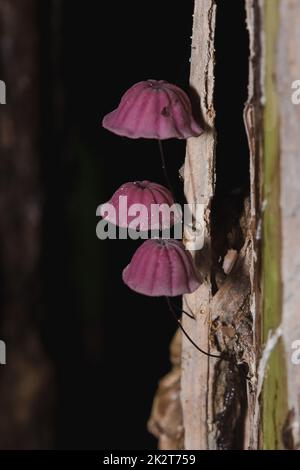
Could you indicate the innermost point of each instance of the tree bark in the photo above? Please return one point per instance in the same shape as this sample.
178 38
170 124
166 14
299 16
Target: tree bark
281 276
251 400
26 380
199 180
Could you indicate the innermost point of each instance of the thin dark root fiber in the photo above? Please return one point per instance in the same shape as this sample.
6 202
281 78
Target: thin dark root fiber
219 356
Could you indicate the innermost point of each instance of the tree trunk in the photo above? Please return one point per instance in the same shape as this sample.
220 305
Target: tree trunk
281 279
248 399
25 382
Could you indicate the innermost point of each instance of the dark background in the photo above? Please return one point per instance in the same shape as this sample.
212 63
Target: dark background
108 345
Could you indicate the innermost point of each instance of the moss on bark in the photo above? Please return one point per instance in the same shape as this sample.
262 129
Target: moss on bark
274 393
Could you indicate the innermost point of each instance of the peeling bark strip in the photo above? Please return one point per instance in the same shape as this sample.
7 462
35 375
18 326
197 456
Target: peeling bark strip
199 178
253 118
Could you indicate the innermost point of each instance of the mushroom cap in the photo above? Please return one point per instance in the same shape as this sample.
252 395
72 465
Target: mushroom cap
162 268
145 194
153 109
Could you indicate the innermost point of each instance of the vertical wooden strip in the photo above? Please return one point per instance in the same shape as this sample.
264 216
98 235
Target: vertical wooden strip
199 176
253 118
274 393
288 71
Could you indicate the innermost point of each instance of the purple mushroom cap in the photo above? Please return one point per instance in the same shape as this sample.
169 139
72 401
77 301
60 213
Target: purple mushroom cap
162 268
151 201
153 109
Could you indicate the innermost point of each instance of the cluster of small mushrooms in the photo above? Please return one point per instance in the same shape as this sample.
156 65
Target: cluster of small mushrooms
160 267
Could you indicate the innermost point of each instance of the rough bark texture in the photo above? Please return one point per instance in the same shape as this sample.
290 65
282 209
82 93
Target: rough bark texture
253 118
216 394
25 382
251 399
199 174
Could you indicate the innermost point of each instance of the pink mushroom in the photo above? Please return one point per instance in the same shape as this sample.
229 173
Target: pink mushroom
151 201
153 109
162 268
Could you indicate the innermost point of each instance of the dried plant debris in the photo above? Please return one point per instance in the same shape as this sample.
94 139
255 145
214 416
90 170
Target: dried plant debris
166 421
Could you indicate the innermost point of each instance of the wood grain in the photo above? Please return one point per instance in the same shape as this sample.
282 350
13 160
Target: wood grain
199 177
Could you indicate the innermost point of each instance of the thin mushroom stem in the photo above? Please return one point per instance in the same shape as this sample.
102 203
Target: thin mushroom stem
179 309
164 167
168 181
186 334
